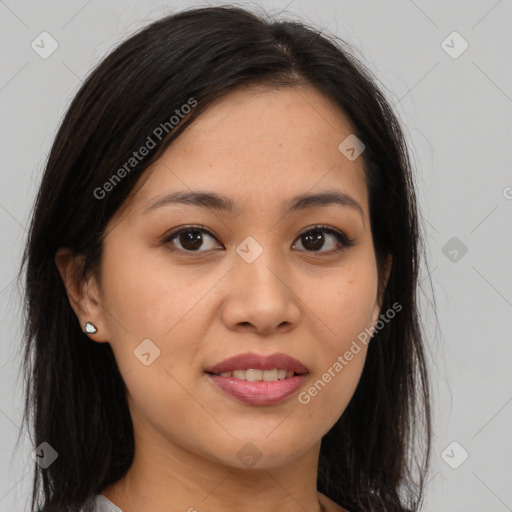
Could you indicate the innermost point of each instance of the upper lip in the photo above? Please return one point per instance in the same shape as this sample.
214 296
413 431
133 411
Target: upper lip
249 361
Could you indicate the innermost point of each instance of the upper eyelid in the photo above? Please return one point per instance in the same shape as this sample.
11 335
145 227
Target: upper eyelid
198 227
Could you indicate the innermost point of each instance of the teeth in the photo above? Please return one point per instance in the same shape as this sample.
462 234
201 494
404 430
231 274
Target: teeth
258 375
268 375
239 374
254 375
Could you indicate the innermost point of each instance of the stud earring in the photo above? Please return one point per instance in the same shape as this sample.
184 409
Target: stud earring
90 328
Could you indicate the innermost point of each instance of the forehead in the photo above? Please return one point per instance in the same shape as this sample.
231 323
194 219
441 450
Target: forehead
261 145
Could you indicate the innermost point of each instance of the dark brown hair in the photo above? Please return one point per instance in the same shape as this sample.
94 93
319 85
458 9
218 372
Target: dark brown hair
75 395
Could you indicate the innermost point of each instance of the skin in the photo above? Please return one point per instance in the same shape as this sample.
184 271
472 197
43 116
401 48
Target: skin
260 147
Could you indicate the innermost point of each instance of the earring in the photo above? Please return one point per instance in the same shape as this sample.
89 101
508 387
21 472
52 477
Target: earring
90 328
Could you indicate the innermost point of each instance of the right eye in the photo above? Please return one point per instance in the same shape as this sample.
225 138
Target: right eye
190 238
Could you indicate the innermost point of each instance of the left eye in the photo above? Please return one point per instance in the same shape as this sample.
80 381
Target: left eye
191 238
315 238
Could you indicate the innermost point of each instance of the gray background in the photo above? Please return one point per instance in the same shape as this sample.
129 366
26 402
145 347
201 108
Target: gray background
456 113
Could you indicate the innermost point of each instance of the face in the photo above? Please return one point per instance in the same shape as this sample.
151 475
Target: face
258 273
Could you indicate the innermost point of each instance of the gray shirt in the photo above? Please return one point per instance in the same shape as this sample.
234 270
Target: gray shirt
100 503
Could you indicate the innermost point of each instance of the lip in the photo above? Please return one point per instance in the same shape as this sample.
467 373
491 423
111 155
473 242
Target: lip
250 360
259 392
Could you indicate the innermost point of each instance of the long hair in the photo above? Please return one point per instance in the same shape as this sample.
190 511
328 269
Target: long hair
75 398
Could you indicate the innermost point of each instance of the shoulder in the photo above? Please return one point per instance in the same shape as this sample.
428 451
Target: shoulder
329 505
99 503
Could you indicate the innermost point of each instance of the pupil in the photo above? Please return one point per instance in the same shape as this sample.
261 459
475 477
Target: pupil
315 240
189 241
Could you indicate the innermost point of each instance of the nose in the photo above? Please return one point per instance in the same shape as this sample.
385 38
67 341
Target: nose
261 296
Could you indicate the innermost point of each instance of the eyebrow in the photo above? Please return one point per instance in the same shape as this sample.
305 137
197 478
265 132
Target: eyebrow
219 202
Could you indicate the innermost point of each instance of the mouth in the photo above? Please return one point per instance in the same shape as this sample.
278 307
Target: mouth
259 380
256 375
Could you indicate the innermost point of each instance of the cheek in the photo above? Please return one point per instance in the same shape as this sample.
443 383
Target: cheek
346 306
342 355
344 312
151 300
163 398
145 296
328 395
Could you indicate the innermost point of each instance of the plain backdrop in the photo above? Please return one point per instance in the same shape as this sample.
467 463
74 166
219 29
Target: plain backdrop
446 66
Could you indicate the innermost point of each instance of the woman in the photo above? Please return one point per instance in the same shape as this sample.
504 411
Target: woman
221 279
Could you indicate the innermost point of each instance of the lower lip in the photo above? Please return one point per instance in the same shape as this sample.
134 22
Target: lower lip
259 392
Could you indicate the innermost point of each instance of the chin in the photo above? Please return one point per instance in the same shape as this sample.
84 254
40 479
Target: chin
261 454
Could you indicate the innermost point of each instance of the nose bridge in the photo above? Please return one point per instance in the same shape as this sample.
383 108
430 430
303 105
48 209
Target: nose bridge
259 293
257 264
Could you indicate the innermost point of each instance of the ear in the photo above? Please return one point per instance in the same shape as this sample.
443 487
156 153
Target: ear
378 302
83 295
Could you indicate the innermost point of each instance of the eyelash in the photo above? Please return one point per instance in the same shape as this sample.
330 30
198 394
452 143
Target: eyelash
341 237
